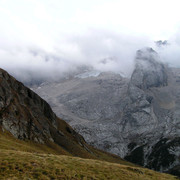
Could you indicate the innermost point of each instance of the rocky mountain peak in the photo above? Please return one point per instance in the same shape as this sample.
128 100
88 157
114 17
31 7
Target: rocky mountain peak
149 71
136 118
161 43
146 53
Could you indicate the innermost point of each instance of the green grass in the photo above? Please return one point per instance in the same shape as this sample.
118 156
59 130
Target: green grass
8 142
24 165
29 160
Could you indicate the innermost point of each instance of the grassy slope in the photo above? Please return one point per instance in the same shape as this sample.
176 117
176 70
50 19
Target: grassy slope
23 165
28 160
8 142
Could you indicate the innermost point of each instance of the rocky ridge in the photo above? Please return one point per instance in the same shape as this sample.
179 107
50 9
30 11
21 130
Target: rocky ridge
28 117
153 108
136 118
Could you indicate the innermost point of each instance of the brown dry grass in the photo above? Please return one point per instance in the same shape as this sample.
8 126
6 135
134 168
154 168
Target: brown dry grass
24 165
28 160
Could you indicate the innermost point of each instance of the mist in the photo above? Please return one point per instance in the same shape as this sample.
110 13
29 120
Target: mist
103 51
100 50
46 40
170 54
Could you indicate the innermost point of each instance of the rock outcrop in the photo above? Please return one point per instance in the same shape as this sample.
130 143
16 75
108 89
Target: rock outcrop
28 117
149 72
136 118
153 107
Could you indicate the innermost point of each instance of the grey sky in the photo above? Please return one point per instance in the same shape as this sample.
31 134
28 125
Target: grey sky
49 37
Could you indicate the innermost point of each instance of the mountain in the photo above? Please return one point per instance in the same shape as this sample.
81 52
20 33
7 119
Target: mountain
152 114
136 118
161 43
26 116
36 144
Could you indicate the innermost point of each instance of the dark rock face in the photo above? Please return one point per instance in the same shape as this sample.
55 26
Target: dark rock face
136 156
161 156
23 112
27 116
136 118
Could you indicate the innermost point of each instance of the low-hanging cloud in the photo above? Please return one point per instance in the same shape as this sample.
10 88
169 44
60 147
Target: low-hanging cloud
101 50
45 40
170 53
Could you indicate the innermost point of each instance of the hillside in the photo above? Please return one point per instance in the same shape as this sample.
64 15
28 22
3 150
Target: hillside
36 144
134 117
26 116
28 160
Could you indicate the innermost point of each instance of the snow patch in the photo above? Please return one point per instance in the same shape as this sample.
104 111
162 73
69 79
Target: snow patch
88 74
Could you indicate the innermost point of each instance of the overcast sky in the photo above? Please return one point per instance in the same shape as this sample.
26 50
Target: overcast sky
49 37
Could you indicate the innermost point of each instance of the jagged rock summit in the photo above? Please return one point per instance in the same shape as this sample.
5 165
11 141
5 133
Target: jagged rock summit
154 111
136 118
149 71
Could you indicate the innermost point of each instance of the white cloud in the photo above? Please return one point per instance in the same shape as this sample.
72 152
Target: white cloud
170 54
47 38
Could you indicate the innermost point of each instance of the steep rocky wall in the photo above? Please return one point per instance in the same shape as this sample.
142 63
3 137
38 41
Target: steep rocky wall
28 117
152 108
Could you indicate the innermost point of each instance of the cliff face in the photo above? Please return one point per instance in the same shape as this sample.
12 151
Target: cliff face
136 118
28 117
153 108
149 72
24 113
